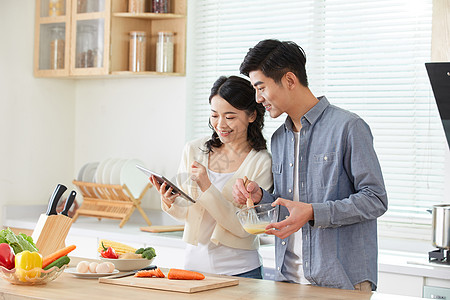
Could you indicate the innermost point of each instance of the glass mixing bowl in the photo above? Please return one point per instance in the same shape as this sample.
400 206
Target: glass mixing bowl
254 219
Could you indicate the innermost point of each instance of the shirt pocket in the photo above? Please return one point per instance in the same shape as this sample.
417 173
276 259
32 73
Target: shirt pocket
277 168
325 169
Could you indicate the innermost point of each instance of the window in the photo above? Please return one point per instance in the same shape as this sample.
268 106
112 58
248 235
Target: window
365 56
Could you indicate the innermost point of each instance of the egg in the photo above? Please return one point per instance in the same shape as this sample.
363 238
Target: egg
83 267
103 268
92 267
111 266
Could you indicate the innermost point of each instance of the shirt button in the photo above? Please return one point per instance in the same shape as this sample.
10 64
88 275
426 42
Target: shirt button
325 158
278 268
290 191
291 164
292 139
283 243
306 264
302 183
301 157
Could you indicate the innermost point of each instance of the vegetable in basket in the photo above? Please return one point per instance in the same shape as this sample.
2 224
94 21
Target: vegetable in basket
6 256
26 262
19 242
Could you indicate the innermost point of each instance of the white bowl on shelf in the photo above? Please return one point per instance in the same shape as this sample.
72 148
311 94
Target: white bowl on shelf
124 265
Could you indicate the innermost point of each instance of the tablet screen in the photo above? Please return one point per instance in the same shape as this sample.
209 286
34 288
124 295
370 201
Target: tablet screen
161 179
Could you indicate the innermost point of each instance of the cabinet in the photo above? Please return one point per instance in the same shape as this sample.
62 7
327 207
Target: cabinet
79 38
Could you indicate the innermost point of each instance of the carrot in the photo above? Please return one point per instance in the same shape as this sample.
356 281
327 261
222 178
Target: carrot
57 254
150 273
185 274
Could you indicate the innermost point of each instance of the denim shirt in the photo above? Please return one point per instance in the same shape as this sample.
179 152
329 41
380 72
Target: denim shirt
339 174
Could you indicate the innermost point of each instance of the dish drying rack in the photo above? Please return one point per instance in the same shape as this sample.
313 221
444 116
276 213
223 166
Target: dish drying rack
110 201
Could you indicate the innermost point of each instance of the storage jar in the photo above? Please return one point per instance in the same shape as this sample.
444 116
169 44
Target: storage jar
164 52
137 51
57 45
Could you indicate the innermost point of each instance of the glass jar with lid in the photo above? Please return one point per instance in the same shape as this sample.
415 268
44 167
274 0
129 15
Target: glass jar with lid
137 57
86 56
55 8
136 6
57 46
164 52
160 6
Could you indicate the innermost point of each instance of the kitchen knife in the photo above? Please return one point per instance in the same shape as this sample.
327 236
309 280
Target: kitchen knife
69 203
53 202
152 267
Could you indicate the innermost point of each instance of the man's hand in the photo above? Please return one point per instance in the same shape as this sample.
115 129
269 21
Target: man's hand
300 213
241 193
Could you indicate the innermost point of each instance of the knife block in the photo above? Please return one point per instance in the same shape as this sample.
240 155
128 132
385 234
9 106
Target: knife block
50 233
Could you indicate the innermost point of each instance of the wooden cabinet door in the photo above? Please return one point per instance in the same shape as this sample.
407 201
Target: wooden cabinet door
52 38
90 37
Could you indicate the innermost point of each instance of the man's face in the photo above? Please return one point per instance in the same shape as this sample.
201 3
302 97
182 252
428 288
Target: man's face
272 95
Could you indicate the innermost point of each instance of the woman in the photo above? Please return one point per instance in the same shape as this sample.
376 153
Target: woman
216 241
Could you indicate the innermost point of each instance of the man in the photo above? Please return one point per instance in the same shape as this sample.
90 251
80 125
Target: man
327 178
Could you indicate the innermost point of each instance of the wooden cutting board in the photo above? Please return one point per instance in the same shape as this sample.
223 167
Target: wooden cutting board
183 286
161 228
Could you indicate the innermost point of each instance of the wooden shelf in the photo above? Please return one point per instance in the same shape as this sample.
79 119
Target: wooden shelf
146 73
110 59
152 16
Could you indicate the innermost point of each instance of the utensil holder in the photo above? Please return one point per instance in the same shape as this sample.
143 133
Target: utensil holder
50 233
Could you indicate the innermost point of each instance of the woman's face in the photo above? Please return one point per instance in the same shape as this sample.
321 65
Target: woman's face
229 122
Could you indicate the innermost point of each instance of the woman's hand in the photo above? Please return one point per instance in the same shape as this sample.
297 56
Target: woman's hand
242 192
166 192
200 176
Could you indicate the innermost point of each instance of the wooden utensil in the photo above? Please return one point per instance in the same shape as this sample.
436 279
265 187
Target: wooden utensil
249 199
162 228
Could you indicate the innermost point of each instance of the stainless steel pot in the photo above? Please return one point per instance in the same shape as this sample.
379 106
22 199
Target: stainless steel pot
441 226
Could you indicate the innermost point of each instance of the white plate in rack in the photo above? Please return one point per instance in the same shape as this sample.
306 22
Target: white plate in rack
115 171
89 172
106 176
135 180
99 171
81 172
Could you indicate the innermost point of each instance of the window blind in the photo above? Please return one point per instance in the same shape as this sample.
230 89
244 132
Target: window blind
365 56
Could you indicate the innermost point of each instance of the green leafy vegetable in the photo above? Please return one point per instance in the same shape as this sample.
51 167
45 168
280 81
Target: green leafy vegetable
18 242
147 253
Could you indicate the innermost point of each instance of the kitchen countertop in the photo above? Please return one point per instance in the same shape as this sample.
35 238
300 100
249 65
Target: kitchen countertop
69 287
398 262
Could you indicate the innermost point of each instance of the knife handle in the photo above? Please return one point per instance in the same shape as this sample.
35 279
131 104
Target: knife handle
69 203
53 202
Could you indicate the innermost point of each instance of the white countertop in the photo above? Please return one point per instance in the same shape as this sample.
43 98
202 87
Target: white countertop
398 262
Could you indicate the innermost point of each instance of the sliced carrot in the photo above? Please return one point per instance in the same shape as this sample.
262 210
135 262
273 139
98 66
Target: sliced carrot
150 273
57 254
184 275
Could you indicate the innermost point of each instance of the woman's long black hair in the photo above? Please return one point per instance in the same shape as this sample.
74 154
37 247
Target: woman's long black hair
240 94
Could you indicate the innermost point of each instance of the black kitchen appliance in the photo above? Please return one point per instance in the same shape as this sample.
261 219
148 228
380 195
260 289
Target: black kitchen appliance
439 75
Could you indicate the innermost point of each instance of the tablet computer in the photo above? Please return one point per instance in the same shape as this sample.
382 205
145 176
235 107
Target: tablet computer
161 179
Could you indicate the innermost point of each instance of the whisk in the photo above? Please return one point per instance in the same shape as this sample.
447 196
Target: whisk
252 217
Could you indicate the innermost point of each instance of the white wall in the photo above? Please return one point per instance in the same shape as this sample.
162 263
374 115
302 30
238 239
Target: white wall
36 115
140 118
50 127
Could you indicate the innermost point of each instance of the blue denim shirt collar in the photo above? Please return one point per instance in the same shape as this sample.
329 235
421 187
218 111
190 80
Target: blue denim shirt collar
311 115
